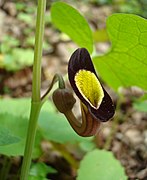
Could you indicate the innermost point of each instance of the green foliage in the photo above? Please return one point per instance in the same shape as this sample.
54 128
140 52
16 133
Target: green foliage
71 22
25 11
55 127
15 107
18 59
8 44
140 106
21 106
87 145
128 52
26 18
40 170
17 126
14 114
14 58
102 2
14 54
20 6
138 7
100 164
131 6
6 137
125 64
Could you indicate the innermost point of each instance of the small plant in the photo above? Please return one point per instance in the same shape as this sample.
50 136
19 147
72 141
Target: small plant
96 105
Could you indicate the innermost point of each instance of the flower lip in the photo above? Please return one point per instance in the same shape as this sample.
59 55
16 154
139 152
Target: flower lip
80 60
89 87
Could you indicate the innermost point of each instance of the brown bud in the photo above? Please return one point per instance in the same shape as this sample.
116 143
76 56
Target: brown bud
63 100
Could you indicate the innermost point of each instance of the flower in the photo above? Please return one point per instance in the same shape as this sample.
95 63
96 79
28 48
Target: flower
86 85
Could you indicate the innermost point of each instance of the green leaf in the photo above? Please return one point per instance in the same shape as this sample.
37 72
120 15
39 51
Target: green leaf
16 107
19 59
125 64
6 137
14 114
71 22
55 127
51 126
100 164
27 18
40 170
20 6
8 44
18 127
140 106
87 145
21 106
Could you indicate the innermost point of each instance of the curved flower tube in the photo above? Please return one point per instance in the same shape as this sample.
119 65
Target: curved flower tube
64 102
86 85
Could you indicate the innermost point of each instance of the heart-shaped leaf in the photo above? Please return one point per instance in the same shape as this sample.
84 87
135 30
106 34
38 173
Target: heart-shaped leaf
126 63
100 164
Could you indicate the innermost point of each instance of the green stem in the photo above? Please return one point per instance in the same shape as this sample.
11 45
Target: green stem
38 50
35 110
57 77
36 100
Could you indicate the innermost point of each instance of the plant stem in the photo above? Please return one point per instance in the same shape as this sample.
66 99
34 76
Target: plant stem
35 110
36 99
38 50
57 77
